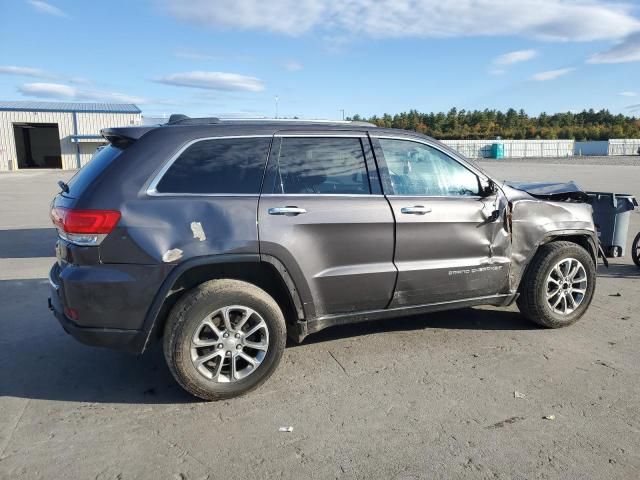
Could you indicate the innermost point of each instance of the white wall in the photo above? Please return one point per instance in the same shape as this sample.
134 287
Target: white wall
88 124
624 146
8 155
88 150
513 148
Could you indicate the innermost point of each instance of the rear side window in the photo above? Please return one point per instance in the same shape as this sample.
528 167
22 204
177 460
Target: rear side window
321 166
87 174
223 166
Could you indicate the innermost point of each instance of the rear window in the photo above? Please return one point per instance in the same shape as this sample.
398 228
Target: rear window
322 166
221 166
87 174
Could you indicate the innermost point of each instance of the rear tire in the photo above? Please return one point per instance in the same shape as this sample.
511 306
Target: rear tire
550 272
208 344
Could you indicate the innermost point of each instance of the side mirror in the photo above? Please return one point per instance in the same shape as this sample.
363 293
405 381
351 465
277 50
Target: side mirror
487 187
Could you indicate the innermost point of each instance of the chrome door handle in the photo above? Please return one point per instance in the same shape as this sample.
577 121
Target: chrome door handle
417 210
286 211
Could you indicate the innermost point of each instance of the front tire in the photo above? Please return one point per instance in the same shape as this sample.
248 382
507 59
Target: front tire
224 338
558 285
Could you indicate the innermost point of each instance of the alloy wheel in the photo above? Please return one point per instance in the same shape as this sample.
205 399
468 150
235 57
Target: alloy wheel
566 286
229 344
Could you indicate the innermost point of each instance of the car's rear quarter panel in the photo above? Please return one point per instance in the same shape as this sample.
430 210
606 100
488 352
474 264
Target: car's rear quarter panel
151 226
114 285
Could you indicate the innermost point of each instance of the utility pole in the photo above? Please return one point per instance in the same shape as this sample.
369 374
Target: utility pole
276 106
341 110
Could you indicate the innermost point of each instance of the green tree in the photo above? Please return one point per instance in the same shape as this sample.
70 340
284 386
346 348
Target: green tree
512 124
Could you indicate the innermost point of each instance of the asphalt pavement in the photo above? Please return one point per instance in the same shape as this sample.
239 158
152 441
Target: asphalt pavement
432 396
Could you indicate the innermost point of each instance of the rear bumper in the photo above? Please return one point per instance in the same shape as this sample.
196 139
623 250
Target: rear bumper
95 307
98 337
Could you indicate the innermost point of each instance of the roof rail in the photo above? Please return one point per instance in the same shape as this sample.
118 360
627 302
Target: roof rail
179 119
296 120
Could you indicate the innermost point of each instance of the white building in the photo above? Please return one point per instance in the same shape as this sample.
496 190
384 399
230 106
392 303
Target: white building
57 135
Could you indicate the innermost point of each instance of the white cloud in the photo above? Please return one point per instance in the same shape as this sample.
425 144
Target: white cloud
551 74
556 20
515 57
292 66
116 97
44 7
192 55
214 81
628 50
80 81
283 16
48 90
497 71
23 71
66 92
629 94
187 54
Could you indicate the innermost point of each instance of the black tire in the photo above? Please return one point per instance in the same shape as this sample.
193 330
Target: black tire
635 250
187 314
615 251
532 301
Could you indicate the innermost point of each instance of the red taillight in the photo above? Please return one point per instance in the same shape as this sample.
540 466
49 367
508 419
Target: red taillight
84 221
72 313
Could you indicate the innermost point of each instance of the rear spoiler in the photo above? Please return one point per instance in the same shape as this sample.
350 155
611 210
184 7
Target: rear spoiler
123 137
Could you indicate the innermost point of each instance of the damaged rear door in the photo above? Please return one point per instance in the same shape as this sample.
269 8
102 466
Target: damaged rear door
450 238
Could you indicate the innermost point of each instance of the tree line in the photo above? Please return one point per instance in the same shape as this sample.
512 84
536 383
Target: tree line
512 124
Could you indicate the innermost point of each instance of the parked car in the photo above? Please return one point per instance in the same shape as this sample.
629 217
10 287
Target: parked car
220 238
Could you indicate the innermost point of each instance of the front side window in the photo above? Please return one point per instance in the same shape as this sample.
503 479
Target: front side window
308 165
418 169
222 166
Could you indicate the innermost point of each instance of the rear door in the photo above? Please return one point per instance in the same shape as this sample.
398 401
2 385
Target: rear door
450 239
323 215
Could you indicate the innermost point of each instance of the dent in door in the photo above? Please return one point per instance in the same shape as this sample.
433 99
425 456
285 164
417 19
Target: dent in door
457 259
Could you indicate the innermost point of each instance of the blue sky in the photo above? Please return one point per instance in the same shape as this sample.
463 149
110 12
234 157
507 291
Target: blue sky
208 57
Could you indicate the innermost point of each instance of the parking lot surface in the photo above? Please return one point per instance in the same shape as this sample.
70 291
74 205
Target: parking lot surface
431 396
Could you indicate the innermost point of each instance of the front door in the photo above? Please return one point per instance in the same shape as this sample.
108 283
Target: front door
322 214
450 238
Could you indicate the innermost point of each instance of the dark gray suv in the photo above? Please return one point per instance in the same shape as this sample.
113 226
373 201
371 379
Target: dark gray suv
223 237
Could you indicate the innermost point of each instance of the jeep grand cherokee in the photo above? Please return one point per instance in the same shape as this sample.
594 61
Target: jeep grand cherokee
220 238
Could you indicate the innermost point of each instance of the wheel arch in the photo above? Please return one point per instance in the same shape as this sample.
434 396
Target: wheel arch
584 238
268 275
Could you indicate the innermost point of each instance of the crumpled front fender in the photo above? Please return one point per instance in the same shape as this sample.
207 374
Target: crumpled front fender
536 222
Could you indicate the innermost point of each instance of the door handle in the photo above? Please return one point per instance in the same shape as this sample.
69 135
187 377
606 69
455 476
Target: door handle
417 210
286 211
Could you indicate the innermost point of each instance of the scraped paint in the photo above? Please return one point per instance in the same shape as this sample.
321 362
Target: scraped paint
198 232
